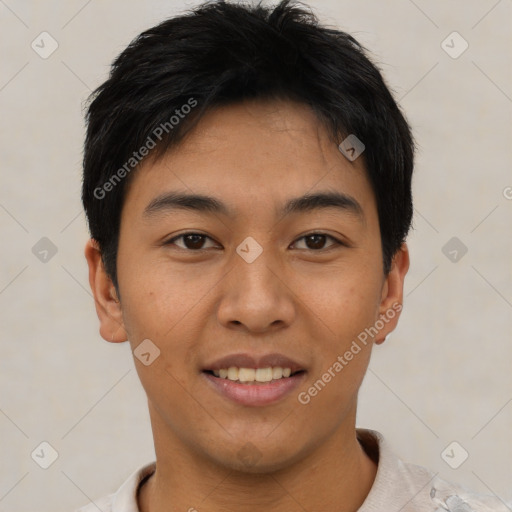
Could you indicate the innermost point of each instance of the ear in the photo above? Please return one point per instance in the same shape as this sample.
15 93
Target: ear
108 306
392 293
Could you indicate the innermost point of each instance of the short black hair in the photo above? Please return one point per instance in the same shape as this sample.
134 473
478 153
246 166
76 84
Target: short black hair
221 53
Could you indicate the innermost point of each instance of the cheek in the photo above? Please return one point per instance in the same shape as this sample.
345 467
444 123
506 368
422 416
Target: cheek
341 356
341 309
157 297
166 307
343 303
155 309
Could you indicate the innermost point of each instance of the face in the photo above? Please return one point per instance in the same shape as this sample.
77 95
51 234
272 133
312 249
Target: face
257 279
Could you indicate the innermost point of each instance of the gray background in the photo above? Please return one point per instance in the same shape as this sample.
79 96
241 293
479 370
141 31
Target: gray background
444 375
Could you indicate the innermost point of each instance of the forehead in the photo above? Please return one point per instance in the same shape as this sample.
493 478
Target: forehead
253 154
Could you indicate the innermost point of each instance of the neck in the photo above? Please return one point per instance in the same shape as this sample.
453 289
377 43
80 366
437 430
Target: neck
338 475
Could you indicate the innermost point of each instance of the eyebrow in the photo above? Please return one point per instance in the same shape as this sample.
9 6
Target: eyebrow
170 201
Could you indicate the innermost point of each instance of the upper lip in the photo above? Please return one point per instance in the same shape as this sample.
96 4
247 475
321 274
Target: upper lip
244 360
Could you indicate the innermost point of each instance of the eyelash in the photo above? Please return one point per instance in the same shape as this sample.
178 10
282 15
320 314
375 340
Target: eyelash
183 235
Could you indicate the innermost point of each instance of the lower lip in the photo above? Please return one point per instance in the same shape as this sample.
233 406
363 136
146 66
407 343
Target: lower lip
257 394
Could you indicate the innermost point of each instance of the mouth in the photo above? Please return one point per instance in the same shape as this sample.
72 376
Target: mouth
251 381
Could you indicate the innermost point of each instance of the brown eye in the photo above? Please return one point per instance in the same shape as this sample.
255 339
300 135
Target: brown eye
193 241
316 241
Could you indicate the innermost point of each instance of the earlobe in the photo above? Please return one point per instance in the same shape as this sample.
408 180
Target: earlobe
392 293
108 306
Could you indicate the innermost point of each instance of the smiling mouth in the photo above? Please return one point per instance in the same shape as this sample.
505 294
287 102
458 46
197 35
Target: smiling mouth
253 376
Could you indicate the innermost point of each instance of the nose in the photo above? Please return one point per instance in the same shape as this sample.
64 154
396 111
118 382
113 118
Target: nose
256 296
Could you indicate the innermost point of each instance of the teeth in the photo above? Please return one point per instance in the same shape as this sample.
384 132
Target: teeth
263 375
246 374
253 375
277 372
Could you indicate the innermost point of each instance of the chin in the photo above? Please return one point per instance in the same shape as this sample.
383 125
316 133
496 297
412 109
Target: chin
258 456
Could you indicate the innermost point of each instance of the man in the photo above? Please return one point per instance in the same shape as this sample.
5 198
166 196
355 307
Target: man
247 182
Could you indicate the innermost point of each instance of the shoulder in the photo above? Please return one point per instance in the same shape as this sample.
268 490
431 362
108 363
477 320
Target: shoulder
408 487
451 497
125 498
429 492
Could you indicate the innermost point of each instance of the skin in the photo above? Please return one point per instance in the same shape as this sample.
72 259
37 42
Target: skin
303 300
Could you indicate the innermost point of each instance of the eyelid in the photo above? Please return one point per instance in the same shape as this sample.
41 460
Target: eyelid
337 241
